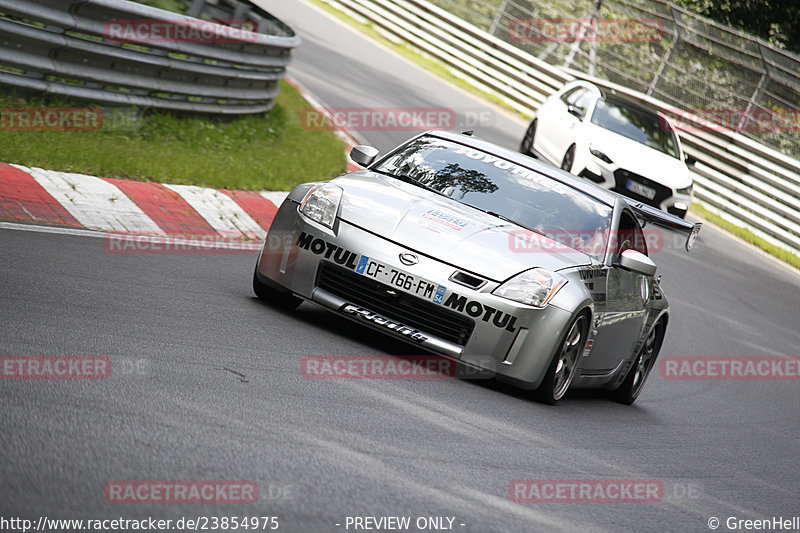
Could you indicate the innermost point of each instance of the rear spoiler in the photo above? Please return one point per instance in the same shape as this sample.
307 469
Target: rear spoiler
654 215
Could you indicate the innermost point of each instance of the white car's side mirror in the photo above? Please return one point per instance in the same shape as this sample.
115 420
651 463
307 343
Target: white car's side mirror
574 111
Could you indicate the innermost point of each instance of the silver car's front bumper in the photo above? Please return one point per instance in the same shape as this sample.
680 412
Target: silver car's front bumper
468 324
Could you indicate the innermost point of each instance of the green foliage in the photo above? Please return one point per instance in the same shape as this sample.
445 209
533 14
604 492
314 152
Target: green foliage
178 6
265 151
777 21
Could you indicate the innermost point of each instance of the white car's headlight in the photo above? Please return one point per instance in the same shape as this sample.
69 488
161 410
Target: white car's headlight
600 155
322 203
533 287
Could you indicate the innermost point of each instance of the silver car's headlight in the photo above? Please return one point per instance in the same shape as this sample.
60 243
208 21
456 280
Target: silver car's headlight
322 203
533 287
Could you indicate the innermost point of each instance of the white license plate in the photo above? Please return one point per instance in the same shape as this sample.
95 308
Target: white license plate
642 190
396 278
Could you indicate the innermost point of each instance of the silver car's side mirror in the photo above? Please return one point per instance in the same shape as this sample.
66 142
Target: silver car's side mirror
637 262
363 155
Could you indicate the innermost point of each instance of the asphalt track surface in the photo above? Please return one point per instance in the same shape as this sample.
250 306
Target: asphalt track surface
207 383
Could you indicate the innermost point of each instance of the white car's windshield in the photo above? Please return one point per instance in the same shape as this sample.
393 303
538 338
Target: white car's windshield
504 188
635 123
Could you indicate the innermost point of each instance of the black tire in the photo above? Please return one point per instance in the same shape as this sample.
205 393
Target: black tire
642 365
527 141
282 300
565 362
569 159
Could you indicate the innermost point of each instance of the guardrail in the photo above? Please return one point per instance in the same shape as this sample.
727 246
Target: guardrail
155 59
747 183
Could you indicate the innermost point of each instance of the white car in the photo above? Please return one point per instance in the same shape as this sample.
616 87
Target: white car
614 142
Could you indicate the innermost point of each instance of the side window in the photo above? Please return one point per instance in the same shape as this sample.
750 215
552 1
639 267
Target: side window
569 96
582 101
630 234
579 98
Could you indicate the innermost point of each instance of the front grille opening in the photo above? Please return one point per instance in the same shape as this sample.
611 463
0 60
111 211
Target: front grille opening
410 310
621 177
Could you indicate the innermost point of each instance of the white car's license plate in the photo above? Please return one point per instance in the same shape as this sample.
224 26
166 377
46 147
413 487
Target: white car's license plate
400 279
642 190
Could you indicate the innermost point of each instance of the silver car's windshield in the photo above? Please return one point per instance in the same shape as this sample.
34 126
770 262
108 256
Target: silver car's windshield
506 189
636 124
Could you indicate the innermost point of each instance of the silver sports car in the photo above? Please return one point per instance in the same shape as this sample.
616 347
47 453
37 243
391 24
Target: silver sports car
482 255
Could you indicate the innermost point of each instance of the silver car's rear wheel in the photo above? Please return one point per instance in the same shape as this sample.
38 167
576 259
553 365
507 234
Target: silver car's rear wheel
564 365
645 360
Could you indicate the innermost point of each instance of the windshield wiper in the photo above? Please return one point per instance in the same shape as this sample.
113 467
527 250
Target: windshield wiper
408 179
506 219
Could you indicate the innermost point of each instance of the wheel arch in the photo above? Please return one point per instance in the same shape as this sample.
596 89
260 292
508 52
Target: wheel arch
661 316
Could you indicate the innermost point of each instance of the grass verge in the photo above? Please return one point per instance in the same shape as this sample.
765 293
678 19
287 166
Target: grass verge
270 151
178 6
746 235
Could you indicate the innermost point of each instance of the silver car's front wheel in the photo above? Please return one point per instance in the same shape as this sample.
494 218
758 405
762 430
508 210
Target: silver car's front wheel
564 365
271 296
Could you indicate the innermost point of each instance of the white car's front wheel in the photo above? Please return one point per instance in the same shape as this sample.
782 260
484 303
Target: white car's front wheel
527 141
569 159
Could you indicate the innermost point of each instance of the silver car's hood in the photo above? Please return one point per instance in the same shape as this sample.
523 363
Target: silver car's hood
445 229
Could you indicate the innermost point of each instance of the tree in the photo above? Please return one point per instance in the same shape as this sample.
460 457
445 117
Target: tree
777 21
